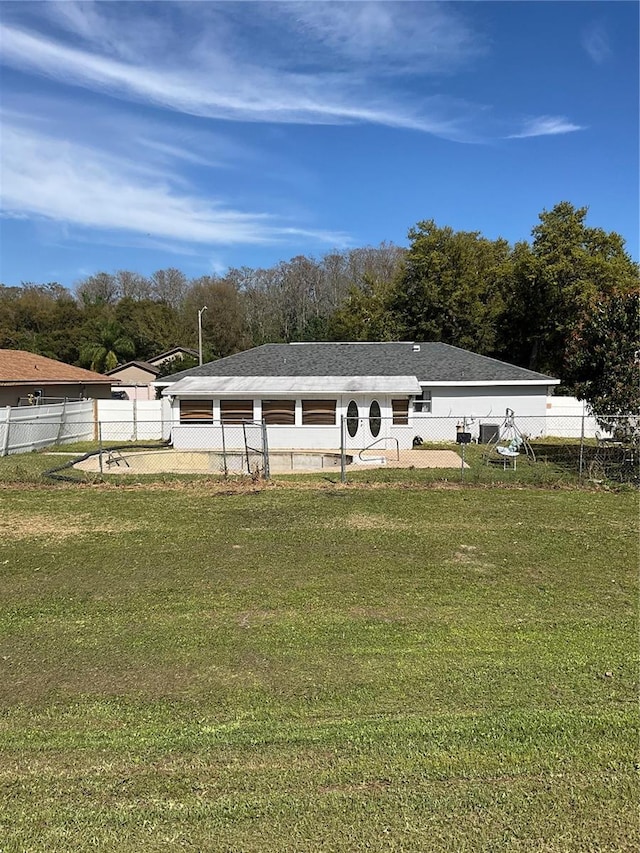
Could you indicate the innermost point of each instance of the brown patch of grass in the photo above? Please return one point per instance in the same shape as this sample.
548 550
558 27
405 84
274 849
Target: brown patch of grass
467 555
366 521
18 525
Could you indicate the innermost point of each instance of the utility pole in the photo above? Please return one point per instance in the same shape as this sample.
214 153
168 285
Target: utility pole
200 313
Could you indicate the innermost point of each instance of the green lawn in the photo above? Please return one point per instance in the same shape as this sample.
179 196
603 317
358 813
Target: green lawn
318 669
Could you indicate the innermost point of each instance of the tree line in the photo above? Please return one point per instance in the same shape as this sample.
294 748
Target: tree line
560 303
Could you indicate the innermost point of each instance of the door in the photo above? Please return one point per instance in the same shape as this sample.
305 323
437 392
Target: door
364 423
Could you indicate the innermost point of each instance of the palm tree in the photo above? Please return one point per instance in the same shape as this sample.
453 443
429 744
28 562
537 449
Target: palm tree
110 348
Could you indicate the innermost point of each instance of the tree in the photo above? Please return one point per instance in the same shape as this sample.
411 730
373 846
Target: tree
132 285
98 289
224 327
169 286
40 318
603 358
450 287
568 267
365 314
170 367
152 327
110 347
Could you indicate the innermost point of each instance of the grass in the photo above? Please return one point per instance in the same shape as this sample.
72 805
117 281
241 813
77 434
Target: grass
318 669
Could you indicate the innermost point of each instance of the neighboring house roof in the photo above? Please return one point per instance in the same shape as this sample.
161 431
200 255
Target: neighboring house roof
18 367
143 365
172 353
431 363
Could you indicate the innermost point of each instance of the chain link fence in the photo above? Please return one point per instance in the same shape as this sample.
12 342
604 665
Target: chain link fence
215 448
446 447
508 444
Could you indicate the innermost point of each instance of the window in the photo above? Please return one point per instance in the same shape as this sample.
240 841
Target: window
279 412
236 411
375 421
400 409
319 412
422 403
353 421
196 411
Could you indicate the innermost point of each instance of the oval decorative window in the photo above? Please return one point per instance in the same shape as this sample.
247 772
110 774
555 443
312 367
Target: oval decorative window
375 421
352 418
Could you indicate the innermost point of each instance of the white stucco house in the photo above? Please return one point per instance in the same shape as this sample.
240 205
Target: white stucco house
311 394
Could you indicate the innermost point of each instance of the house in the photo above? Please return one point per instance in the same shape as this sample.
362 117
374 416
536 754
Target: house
136 378
30 379
310 395
173 355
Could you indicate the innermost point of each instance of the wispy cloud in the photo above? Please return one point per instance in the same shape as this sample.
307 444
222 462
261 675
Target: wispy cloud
60 180
281 63
546 126
293 75
595 40
422 37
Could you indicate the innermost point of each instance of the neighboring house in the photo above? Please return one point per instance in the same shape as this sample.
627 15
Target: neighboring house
29 379
173 355
137 377
301 391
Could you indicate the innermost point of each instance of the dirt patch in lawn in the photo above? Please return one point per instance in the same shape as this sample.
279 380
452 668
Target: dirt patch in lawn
366 521
18 525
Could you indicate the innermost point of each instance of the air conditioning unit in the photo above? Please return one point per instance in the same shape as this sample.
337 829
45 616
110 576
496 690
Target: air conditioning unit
488 433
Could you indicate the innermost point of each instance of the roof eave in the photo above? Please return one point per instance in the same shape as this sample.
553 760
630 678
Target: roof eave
476 383
54 381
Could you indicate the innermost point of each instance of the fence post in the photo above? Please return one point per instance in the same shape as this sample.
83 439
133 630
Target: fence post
135 418
5 446
100 446
62 416
246 447
224 451
581 467
265 451
343 451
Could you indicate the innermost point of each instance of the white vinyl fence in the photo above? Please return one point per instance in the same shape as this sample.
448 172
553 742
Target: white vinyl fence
26 428
134 420
564 418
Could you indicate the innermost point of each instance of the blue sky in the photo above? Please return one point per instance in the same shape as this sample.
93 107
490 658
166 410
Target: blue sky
207 135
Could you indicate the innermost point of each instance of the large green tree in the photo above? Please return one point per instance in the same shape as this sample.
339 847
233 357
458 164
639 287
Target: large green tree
365 314
603 357
450 287
568 267
152 327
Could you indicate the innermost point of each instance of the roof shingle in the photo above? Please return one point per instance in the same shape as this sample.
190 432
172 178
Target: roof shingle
430 362
21 367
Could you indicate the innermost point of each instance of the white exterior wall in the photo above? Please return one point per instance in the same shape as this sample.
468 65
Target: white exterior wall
204 437
482 405
485 404
489 403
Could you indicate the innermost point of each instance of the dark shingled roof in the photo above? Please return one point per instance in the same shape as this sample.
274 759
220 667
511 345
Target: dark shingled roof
434 362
